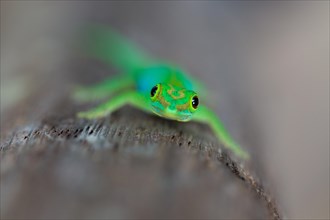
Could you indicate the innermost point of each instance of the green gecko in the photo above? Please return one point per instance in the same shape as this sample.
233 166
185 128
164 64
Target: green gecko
147 84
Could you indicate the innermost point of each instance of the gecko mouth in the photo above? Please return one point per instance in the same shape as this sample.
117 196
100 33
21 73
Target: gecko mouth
169 115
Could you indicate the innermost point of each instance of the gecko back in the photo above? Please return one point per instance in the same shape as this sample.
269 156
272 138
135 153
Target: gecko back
109 46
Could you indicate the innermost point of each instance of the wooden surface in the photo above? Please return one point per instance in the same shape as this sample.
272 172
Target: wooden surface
127 165
130 165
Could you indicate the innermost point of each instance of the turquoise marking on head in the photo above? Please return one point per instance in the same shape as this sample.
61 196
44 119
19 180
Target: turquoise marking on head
150 76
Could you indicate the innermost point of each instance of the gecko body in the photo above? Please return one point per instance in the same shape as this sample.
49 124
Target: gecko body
147 84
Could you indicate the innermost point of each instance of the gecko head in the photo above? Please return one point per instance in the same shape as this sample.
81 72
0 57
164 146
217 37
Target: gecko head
172 102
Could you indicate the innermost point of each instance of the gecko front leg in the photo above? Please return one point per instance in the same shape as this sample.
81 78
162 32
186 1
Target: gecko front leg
206 115
133 98
103 89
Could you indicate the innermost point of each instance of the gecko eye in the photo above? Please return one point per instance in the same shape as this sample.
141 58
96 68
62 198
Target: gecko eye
194 103
154 91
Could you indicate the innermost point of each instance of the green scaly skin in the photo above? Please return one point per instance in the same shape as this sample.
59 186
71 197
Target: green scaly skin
148 85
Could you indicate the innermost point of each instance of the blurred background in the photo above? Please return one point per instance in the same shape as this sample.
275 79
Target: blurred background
268 61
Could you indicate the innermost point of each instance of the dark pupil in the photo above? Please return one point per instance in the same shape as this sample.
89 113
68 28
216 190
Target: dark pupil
153 91
195 102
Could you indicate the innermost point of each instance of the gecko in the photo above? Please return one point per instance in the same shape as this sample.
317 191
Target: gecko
148 84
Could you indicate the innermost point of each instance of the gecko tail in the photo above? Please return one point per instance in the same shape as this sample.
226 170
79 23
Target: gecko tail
105 44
